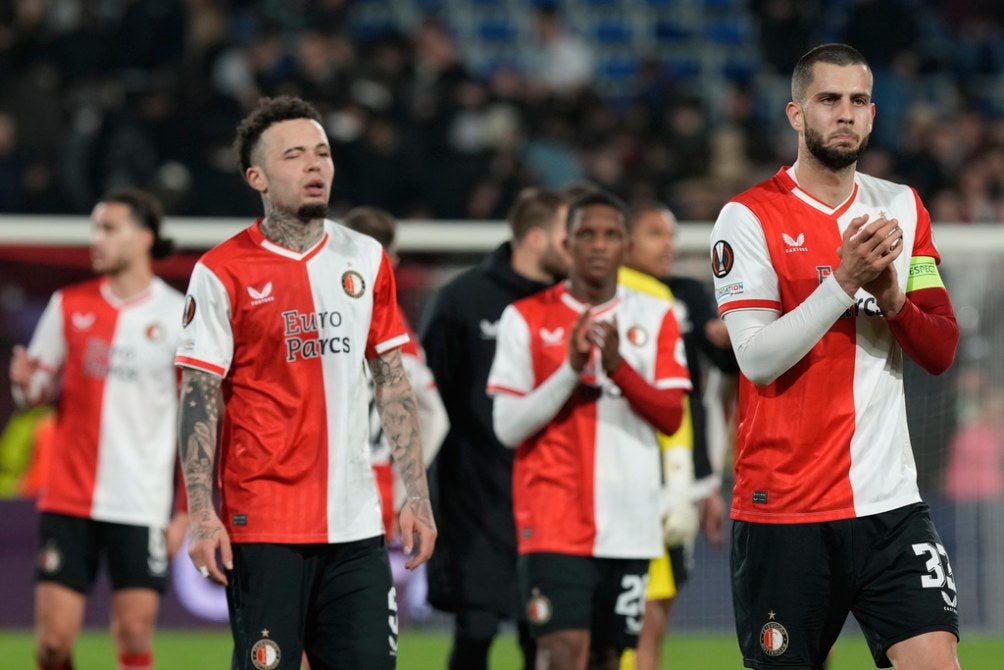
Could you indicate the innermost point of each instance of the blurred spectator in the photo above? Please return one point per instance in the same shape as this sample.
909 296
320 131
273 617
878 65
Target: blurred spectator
561 62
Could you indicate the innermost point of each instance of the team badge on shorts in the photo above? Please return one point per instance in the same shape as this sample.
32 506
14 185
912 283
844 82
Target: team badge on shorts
773 638
265 654
637 336
353 283
50 559
539 609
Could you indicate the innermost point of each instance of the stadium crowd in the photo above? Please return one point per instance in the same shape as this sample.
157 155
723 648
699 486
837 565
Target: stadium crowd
147 92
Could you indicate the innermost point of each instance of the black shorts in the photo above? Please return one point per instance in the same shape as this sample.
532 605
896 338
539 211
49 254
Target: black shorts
334 601
71 547
793 585
605 596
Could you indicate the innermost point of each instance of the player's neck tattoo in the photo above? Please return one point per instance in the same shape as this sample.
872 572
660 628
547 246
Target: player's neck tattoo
288 231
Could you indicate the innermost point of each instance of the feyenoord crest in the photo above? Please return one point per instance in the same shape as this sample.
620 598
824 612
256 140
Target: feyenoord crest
637 336
265 653
773 638
155 331
50 559
539 609
353 283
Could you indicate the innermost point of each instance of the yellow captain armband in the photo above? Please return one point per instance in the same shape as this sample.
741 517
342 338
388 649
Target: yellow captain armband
923 274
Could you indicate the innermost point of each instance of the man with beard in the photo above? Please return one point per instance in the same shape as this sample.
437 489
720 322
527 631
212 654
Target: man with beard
473 573
584 375
825 278
278 323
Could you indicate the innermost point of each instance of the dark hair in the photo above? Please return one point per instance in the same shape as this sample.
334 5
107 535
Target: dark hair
372 221
643 206
146 211
597 197
834 54
267 112
534 208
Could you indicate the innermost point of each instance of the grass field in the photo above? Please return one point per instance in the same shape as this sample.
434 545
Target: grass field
425 650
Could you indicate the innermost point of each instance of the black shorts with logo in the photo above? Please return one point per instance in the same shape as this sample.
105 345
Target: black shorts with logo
336 602
71 547
605 596
793 585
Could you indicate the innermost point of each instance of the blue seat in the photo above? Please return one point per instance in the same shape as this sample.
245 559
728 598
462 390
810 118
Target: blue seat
497 30
372 29
618 68
739 70
683 68
611 32
727 32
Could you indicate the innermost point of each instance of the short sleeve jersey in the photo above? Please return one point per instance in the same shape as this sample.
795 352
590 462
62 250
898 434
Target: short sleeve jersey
115 437
587 484
827 440
289 334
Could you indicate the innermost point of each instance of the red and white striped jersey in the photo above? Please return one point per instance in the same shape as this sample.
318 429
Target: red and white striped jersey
828 439
289 333
115 437
588 483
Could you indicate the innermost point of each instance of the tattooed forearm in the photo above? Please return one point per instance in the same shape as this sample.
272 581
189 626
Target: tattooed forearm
398 411
198 418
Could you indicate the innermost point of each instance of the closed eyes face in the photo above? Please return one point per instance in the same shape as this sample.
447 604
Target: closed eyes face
293 166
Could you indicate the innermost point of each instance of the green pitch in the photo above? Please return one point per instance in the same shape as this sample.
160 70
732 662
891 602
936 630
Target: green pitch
427 650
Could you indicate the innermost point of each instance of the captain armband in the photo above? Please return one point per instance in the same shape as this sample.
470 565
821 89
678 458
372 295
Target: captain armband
923 274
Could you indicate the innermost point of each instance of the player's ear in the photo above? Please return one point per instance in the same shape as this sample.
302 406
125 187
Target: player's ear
256 179
794 113
534 240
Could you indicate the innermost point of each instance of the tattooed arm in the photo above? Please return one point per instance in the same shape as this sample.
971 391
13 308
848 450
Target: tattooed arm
198 419
398 411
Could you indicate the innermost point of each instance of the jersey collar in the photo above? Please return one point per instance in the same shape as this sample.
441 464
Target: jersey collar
259 238
120 303
579 307
786 175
